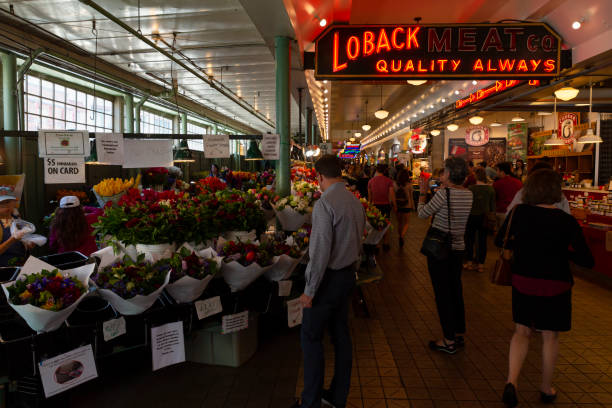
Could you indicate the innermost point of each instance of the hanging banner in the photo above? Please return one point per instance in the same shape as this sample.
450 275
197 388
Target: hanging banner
567 123
109 147
60 373
64 170
63 143
477 135
216 146
141 153
270 146
517 142
372 52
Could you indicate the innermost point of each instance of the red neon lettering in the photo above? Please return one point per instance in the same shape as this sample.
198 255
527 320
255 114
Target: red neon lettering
532 45
337 67
522 66
441 63
381 66
456 64
393 69
479 94
549 65
383 41
431 65
511 82
489 67
394 39
437 44
420 69
478 65
411 37
492 40
535 64
409 66
513 32
368 43
506 65
498 85
467 39
534 82
353 42
548 43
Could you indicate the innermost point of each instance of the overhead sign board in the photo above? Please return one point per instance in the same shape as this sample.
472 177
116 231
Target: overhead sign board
528 50
492 90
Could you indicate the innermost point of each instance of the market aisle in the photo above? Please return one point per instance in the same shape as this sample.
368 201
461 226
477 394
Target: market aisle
395 368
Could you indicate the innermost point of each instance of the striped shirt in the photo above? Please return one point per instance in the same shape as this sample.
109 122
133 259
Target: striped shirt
461 205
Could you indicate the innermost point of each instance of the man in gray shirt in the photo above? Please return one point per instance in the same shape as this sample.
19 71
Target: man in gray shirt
338 222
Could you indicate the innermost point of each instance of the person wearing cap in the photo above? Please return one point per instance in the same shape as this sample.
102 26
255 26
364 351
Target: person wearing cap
70 229
11 247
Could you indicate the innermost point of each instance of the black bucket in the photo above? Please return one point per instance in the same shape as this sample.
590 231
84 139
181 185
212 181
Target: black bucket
66 260
91 310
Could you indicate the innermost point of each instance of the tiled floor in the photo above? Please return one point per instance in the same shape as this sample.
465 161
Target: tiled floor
393 367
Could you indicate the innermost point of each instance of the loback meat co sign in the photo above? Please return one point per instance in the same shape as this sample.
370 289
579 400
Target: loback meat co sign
529 50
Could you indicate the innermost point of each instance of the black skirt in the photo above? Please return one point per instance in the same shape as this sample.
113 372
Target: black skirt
543 312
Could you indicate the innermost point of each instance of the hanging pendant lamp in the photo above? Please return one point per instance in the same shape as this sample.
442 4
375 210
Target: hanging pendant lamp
381 113
365 126
183 154
590 136
93 154
554 139
253 153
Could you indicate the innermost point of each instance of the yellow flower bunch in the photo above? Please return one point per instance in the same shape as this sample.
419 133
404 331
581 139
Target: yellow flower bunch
113 186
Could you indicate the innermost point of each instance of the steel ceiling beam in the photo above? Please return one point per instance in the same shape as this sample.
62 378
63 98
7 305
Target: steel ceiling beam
219 87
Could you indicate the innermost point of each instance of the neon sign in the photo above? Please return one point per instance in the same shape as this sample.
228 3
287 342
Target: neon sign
438 51
496 88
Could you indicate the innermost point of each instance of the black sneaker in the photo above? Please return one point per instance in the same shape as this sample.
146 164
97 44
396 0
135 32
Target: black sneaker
547 398
446 348
509 397
327 398
401 242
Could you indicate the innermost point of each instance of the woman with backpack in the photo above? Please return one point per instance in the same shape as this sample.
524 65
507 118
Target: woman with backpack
405 202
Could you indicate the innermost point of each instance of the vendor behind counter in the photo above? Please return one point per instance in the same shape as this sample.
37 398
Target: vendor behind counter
12 250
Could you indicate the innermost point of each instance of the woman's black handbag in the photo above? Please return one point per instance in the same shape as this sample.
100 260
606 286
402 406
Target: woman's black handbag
437 243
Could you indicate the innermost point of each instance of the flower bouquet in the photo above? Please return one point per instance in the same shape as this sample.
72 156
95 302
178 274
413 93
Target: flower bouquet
155 177
111 190
376 223
211 185
45 296
243 263
289 255
303 174
191 272
264 198
131 287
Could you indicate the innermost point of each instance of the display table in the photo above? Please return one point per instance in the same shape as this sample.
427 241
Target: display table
595 229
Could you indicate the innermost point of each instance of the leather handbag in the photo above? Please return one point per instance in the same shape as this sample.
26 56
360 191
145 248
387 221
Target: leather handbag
437 243
502 272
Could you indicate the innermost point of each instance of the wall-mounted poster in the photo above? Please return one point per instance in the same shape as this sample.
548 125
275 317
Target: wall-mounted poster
517 142
477 135
492 152
567 123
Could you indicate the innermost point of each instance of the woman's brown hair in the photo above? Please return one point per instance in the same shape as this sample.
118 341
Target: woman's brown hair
70 227
480 174
542 187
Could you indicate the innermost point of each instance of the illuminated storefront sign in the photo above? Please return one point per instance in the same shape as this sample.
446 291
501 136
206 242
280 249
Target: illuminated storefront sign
497 88
417 143
438 50
477 135
567 124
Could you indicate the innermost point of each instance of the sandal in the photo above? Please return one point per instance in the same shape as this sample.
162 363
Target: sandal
509 397
446 348
548 398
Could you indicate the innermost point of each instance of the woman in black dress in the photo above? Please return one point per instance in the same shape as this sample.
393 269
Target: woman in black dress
544 240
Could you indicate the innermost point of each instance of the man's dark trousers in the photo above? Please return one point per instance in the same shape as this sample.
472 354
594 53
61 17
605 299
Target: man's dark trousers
329 309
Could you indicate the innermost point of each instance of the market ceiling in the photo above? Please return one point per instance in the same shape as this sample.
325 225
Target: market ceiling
216 39
403 101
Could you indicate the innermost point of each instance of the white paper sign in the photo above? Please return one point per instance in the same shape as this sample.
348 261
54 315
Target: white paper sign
113 328
67 370
235 322
109 147
167 345
208 307
326 148
294 312
403 158
140 153
270 146
284 287
64 170
216 146
73 143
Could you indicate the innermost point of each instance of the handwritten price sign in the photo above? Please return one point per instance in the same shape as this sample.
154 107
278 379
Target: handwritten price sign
208 307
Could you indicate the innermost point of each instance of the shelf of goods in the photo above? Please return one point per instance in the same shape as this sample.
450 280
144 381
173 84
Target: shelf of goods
566 162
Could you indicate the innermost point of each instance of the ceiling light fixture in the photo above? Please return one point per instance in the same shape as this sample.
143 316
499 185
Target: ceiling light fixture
590 136
323 22
474 82
452 127
518 118
496 123
365 126
416 82
357 134
435 132
577 24
566 93
456 92
381 113
476 120
544 113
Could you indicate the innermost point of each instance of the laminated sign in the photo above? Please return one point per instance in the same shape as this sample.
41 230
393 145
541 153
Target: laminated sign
67 370
64 170
63 143
216 146
109 147
270 146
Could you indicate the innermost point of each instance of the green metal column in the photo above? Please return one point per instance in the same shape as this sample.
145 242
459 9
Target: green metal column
215 129
183 123
313 132
128 126
9 95
283 80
